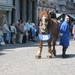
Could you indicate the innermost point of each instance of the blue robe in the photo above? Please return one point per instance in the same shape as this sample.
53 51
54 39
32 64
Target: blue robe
64 29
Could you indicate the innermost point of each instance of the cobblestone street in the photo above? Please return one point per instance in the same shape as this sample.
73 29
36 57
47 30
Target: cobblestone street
19 59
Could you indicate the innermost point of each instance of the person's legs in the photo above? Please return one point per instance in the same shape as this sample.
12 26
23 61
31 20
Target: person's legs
13 39
5 37
64 52
20 38
26 38
28 35
17 37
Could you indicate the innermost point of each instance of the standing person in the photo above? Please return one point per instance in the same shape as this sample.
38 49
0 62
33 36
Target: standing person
64 40
6 32
13 33
53 15
22 32
34 33
73 31
28 25
26 32
17 25
29 30
37 29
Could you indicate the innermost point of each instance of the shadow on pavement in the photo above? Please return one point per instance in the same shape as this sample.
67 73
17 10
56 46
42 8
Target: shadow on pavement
2 54
29 44
70 56
7 47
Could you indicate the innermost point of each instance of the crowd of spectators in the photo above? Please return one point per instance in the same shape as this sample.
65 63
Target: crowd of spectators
20 32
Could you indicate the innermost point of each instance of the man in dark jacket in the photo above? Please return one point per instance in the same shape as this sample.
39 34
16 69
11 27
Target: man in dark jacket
53 15
64 40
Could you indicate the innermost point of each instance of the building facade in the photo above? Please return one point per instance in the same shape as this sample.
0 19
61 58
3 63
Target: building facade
24 10
65 6
13 10
5 11
49 5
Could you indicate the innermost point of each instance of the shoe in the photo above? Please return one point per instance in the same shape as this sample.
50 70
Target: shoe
65 56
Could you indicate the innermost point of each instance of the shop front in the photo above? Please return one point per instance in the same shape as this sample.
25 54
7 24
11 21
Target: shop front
5 12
